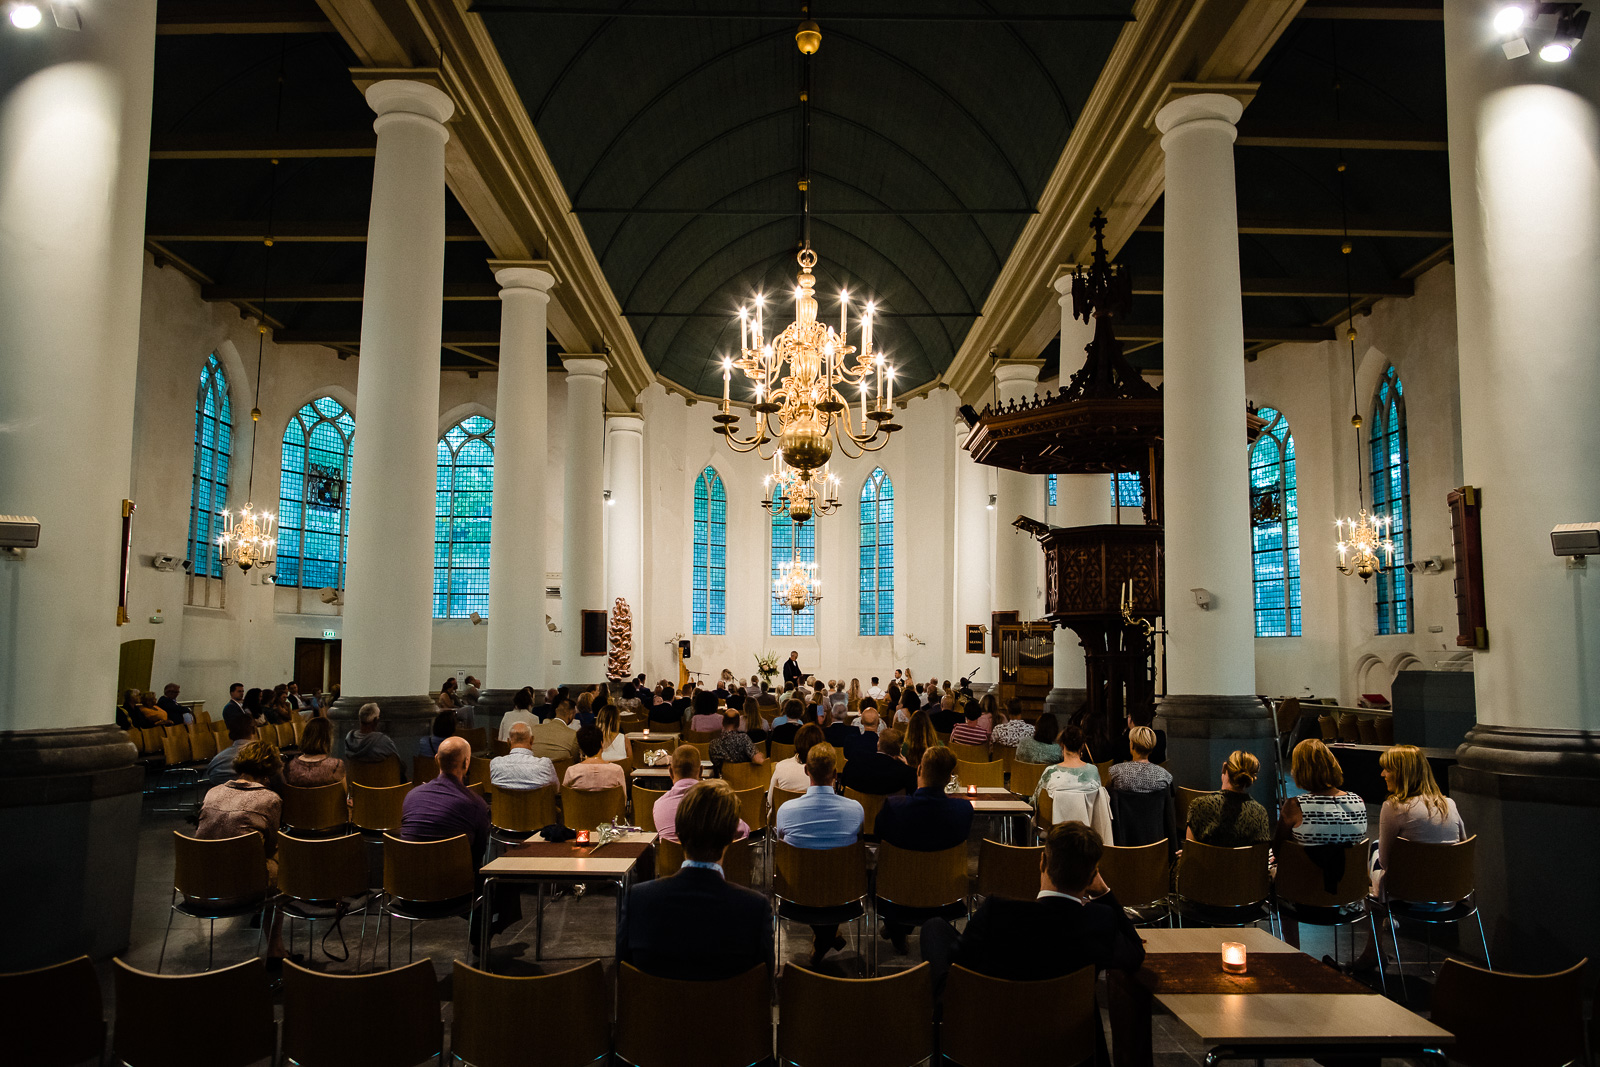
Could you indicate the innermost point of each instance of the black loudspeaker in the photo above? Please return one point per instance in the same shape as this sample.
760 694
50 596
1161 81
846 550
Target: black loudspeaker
683 646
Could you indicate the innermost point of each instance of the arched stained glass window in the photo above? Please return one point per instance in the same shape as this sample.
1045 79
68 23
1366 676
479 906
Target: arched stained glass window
213 447
1052 490
1391 499
786 537
877 555
463 500
710 554
1275 529
1126 490
314 496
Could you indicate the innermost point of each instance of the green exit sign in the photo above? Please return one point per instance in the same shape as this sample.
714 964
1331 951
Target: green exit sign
328 635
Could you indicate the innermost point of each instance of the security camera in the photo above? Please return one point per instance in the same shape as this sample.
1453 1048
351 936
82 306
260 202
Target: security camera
331 596
1202 598
1576 539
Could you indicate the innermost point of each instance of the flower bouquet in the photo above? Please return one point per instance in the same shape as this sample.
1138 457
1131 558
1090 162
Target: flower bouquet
767 666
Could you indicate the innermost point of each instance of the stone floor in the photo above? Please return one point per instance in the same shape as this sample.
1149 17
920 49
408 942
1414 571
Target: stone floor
577 929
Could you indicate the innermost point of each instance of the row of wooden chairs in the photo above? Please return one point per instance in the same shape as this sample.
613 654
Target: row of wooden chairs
1357 729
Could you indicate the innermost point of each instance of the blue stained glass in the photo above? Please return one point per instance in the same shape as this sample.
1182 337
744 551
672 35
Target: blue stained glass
710 554
1391 499
1052 490
877 556
213 444
1127 491
463 510
314 495
1275 530
786 538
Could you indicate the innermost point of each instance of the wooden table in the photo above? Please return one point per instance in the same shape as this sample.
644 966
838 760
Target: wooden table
571 863
1287 1024
997 802
665 771
652 737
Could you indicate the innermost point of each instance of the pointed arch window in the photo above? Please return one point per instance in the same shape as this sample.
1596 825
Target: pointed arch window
877 556
786 537
1126 490
1391 499
213 449
1275 529
463 502
710 553
1052 490
314 496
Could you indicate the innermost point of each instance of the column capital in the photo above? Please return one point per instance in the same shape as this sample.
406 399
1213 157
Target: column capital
1184 102
584 365
535 274
1025 371
625 422
1062 282
409 96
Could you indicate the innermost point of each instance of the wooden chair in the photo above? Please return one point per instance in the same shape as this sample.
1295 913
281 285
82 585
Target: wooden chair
913 887
1299 890
1065 1034
383 773
202 743
699 737
323 881
1432 875
704 747
944 739
1368 730
1532 1020
424 769
739 862
981 774
315 809
871 804
1141 877
969 753
669 858
644 807
1221 886
840 1022
318 1009
377 809
226 1017
753 807
426 880
819 886
585 809
1329 728
638 747
515 814
1383 727
1185 797
744 776
216 879
476 736
478 771
1025 777
776 752
1006 754
1104 769
486 1003
743 1034
1008 871
498 747
780 797
68 996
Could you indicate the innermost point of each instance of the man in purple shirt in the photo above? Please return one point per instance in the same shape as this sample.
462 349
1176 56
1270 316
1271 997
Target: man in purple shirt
685 773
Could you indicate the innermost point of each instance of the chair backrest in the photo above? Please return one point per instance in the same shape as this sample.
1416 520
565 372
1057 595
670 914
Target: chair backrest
1138 874
985 774
1368 730
577 1003
151 743
1430 873
144 1032
382 773
478 771
1142 818
638 748
68 995
819 878
738 862
1330 729
780 797
476 736
1301 881
922 879
644 806
522 810
585 809
1185 797
377 807
753 806
744 776
841 1022
776 752
1009 871
696 737
969 753
1064 1034
229 868
871 804
423 871
175 747
1383 728
704 747
669 857
318 1009
424 768
1104 769
1025 777
202 743
1532 1020
1047 810
322 869
1222 877
743 1034
317 807
1006 754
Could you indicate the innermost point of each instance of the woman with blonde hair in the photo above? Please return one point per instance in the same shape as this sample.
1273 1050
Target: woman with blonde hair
854 695
1326 814
1229 818
583 710
613 745
920 736
1139 775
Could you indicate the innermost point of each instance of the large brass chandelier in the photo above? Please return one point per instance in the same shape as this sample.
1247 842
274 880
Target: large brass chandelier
798 586
796 498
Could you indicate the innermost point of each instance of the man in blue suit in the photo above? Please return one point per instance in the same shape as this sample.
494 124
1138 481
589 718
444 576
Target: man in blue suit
929 820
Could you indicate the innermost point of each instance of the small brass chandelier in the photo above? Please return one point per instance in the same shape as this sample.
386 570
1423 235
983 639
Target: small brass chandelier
797 498
798 586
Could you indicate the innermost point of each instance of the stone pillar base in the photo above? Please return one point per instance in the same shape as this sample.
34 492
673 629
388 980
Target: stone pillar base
1065 702
69 829
1203 730
406 719
493 705
1532 799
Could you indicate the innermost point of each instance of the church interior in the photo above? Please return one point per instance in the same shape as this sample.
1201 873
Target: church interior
474 389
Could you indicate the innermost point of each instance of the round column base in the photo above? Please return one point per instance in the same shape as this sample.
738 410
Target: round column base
1065 702
493 704
406 719
1532 799
1203 730
69 825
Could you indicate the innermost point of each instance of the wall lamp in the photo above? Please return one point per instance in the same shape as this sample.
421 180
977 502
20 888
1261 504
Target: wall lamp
1571 21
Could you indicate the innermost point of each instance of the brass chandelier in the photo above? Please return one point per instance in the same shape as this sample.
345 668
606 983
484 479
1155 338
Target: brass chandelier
798 586
796 499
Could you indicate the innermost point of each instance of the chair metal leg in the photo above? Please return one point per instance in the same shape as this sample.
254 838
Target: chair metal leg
171 914
1482 940
1399 966
362 944
211 944
1377 949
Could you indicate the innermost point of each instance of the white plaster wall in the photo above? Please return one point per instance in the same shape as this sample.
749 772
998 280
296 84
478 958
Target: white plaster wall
1310 384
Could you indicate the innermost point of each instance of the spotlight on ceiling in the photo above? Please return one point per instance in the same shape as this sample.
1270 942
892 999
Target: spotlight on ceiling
1569 31
24 16
991 501
1555 52
1509 19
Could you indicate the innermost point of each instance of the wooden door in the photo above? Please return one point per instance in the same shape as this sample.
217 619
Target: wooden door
310 660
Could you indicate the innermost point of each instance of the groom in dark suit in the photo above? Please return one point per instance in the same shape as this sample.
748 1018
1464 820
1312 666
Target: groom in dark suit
792 674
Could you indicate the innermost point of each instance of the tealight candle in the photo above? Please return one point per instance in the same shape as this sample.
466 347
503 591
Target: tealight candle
972 790
647 731
583 839
1233 957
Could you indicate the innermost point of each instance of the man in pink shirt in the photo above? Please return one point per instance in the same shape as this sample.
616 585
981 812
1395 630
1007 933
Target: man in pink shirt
974 730
685 773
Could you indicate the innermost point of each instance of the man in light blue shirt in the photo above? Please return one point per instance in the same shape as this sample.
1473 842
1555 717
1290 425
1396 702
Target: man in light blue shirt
821 819
519 768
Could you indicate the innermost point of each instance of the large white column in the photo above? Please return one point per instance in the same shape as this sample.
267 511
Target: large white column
1016 554
583 575
1525 194
1211 672
388 629
974 531
624 528
517 655
74 154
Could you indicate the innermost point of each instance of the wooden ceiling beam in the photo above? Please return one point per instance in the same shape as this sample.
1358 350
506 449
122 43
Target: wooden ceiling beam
1358 227
1253 334
1294 287
1351 136
1376 10
351 338
251 231
350 292
190 17
232 144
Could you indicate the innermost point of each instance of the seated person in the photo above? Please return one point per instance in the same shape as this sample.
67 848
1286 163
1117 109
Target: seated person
685 769
707 718
732 745
313 766
1139 775
883 771
520 768
1229 818
554 738
594 773
1041 747
1010 727
821 819
971 731
837 732
1144 715
788 723
1325 814
861 740
1072 771
368 744
790 774
521 711
444 725
929 820
614 743
220 767
667 711
695 926
140 714
244 803
908 705
168 703
945 719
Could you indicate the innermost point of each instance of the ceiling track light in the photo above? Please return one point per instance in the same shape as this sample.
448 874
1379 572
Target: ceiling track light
1570 22
23 16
